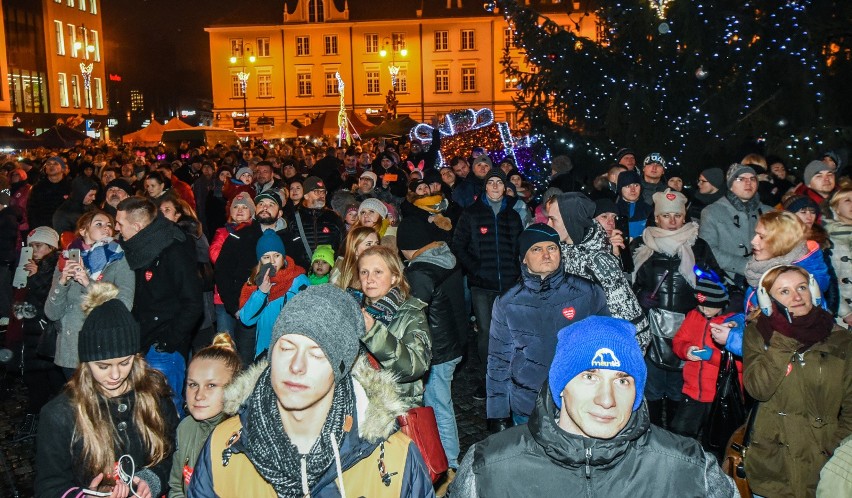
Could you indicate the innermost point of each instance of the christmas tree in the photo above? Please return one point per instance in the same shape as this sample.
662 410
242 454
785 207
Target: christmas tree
692 79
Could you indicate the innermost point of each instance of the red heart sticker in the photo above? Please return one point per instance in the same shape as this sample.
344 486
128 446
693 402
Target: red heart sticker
701 297
149 275
325 230
187 474
483 230
569 313
671 197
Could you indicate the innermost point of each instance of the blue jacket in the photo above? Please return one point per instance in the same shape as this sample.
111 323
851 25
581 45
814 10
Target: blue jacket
257 311
522 342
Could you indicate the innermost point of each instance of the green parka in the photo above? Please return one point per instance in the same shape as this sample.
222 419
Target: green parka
191 436
805 409
404 347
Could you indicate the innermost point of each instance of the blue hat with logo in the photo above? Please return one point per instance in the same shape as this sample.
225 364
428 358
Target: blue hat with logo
595 343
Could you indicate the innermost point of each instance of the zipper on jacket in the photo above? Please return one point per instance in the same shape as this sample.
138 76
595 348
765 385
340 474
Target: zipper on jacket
497 244
588 463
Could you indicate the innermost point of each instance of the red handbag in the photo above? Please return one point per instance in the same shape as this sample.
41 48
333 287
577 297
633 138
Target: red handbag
420 425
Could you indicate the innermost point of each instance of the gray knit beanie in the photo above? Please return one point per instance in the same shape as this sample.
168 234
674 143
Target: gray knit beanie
812 169
735 170
330 317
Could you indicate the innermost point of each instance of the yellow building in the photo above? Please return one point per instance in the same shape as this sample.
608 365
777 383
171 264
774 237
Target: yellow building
448 57
49 44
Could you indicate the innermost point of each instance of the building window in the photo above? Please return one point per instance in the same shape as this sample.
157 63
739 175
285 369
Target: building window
236 47
93 7
305 88
330 44
468 79
331 83
99 93
263 47
316 12
75 91
442 41
467 39
442 79
509 40
236 86
82 5
510 83
137 100
398 40
373 81
303 45
71 3
401 81
72 39
264 82
63 90
88 95
97 44
371 42
60 37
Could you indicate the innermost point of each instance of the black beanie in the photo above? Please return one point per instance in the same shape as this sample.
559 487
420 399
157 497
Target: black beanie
577 212
716 177
533 234
109 331
710 293
626 178
413 233
604 205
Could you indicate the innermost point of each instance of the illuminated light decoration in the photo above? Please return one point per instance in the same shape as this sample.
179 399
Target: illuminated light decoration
454 122
343 123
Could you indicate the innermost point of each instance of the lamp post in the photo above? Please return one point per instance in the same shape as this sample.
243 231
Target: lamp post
243 77
86 69
394 71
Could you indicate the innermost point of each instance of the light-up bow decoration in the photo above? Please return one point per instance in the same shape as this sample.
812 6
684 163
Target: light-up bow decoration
454 122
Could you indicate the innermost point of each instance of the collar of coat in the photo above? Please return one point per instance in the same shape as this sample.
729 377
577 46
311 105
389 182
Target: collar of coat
377 399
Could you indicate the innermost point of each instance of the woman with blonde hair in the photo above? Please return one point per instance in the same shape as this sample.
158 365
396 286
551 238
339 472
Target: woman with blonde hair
397 331
840 231
112 429
345 271
780 240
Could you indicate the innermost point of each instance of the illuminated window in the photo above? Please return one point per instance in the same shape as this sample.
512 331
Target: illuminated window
72 38
442 40
63 90
236 47
236 85
305 88
263 47
60 38
75 91
264 82
402 80
97 44
468 79
371 42
442 79
99 93
303 45
331 83
467 39
398 40
93 4
330 44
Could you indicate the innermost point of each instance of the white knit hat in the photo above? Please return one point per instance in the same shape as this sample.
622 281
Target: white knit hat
670 201
374 205
45 235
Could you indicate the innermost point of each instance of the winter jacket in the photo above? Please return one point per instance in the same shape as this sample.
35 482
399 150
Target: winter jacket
729 231
191 437
524 324
168 303
487 245
468 190
841 260
59 459
20 196
373 430
66 215
804 410
835 478
813 262
700 201
436 280
258 310
404 347
45 197
593 259
649 189
699 377
813 195
63 305
541 459
321 226
675 293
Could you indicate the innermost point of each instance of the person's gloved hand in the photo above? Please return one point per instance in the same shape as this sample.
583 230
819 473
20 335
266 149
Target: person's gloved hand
648 301
496 425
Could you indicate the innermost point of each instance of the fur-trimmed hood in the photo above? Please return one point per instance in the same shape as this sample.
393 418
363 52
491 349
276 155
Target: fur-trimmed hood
377 398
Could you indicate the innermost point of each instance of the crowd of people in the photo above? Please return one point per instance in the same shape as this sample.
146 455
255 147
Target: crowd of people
253 321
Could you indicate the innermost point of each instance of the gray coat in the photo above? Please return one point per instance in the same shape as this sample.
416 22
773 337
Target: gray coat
729 232
63 305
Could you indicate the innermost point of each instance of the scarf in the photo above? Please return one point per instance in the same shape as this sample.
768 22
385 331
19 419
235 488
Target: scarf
272 453
755 269
810 329
283 280
147 245
385 308
670 243
100 255
750 206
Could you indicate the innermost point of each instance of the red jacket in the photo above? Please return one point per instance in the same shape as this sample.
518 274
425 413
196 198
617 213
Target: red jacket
699 377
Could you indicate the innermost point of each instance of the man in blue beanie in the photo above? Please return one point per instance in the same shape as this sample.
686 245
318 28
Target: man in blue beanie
590 431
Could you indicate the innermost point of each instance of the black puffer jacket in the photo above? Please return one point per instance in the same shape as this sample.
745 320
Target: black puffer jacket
487 245
436 280
321 226
45 198
675 293
541 459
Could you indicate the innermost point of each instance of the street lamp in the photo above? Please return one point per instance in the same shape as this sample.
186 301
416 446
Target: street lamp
394 71
86 69
243 76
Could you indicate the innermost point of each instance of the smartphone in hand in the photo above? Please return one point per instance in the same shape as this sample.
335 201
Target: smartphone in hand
704 354
266 267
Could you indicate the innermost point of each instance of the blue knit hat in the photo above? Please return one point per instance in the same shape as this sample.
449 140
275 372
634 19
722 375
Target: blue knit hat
597 342
533 234
269 241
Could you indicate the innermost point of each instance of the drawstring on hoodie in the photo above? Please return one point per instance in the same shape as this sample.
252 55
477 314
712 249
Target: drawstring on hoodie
338 465
305 491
